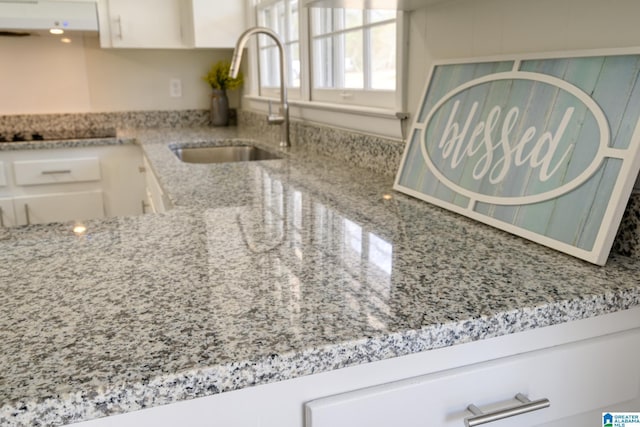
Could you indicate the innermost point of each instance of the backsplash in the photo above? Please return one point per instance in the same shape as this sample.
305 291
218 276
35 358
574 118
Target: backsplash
627 240
380 155
93 125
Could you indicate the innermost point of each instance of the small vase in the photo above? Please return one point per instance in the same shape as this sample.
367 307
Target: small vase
219 114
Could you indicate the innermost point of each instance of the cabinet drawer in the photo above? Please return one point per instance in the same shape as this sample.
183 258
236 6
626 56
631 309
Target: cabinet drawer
3 176
60 207
576 378
37 172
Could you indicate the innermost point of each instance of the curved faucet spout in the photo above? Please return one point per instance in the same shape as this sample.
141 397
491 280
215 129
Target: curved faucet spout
283 117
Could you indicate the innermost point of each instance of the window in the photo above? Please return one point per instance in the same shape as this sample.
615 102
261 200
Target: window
354 54
282 16
346 56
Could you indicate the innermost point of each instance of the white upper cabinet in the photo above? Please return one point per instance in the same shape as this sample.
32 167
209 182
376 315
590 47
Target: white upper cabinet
216 24
170 24
141 23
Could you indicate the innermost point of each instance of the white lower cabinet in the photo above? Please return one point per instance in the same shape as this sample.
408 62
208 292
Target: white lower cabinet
67 184
7 213
61 207
157 200
575 379
582 367
3 177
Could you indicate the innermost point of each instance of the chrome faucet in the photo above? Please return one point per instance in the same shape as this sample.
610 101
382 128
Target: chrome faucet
282 118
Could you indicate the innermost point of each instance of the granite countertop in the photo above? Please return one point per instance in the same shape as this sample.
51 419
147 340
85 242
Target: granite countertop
261 272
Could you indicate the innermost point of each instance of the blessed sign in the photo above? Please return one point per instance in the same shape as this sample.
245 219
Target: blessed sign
544 148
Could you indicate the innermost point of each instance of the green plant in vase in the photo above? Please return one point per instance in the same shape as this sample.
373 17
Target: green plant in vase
219 80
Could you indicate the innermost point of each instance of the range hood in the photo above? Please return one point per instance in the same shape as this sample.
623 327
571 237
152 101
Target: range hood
22 17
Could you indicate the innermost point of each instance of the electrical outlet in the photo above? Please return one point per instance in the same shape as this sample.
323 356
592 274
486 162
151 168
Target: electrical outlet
175 88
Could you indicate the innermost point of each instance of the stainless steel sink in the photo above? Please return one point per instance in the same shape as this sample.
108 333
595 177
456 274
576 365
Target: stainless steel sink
223 154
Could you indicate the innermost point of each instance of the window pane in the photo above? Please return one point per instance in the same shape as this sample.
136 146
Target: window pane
352 18
269 67
294 19
280 27
377 15
383 57
293 51
264 17
286 26
322 21
353 61
327 21
323 62
267 18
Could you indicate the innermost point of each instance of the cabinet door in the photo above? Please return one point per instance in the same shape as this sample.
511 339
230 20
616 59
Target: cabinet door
60 207
3 175
155 195
7 216
219 25
145 23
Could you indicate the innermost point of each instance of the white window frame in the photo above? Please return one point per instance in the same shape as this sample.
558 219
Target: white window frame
365 119
354 96
294 92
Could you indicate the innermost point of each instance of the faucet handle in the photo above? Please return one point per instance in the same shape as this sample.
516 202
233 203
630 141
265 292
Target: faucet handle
274 119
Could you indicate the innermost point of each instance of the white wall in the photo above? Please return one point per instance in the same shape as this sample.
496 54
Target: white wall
472 28
41 75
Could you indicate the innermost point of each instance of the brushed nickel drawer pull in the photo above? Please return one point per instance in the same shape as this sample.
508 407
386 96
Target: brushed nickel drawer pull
53 172
26 213
527 405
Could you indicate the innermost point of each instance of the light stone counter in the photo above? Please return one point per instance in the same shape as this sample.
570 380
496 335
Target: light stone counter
262 272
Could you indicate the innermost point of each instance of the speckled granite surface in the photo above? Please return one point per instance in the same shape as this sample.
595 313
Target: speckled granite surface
262 272
64 143
380 155
92 125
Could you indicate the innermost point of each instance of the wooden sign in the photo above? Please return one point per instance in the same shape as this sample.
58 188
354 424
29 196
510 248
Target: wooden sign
545 148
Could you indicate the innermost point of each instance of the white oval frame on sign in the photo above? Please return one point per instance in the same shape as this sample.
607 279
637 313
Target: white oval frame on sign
603 149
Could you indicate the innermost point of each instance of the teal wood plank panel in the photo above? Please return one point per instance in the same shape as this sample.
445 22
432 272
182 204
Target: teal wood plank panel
464 75
536 114
584 73
414 169
466 99
626 107
599 204
614 86
497 93
445 78
522 93
631 114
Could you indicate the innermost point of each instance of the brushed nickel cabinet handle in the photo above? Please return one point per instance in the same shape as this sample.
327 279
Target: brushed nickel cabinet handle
54 172
526 405
26 213
1 217
118 21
